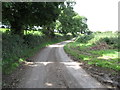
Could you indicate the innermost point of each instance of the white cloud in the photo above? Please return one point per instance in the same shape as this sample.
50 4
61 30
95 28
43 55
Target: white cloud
102 14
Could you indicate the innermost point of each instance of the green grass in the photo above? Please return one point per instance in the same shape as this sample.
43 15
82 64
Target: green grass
4 30
26 32
107 58
33 32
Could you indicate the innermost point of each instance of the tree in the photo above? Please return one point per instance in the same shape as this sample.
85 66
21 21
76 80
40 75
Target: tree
24 14
83 25
66 20
70 22
49 29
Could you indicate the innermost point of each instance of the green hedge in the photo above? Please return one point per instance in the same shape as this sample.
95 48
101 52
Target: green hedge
15 47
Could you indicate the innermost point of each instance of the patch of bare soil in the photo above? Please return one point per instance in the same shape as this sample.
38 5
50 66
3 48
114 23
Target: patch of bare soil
100 46
108 77
11 80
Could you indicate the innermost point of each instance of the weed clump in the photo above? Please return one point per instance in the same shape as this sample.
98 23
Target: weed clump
111 41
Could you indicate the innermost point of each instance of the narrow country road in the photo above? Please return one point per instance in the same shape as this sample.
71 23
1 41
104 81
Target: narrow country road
52 68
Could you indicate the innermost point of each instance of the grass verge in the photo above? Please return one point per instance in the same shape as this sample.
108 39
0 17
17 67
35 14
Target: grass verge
93 52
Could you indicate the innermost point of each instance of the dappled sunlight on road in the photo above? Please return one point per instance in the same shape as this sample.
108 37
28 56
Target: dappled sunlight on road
71 64
60 44
74 65
67 41
48 84
55 45
34 64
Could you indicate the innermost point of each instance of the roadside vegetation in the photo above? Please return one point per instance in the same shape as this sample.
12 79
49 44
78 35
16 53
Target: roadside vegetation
99 49
29 26
17 49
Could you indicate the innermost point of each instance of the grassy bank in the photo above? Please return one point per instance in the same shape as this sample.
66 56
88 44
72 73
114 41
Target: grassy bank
16 49
99 49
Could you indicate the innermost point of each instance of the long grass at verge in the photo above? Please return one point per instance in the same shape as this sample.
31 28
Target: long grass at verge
99 49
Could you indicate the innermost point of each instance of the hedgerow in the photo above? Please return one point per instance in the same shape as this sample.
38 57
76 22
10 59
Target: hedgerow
15 48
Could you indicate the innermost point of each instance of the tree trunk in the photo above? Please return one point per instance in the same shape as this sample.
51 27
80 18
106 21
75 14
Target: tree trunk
16 28
52 34
48 32
73 34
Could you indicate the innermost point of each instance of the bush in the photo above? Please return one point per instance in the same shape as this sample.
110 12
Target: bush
11 45
67 37
12 49
15 47
32 41
112 41
84 38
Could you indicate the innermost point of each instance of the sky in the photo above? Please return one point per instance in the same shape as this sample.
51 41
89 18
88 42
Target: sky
102 15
